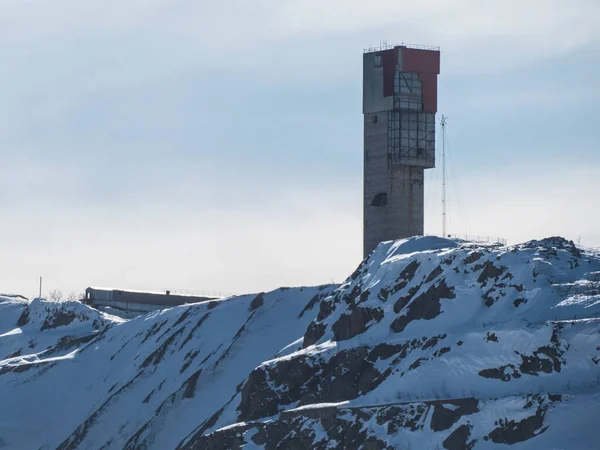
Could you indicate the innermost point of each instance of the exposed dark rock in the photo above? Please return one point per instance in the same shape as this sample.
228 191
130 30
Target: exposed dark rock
258 400
441 351
364 296
311 304
544 359
359 270
409 271
383 294
433 341
14 354
350 298
257 302
58 318
519 301
157 355
416 363
24 367
346 375
444 417
68 342
491 337
511 432
426 306
188 359
403 301
488 300
344 430
434 274
326 307
532 365
472 257
23 318
458 439
148 397
190 384
156 327
401 282
402 416
184 316
501 373
384 351
447 261
490 271
314 332
350 325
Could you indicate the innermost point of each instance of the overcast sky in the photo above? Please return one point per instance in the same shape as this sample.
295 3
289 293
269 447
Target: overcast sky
217 145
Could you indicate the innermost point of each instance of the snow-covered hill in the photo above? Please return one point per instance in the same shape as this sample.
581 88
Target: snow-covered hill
430 343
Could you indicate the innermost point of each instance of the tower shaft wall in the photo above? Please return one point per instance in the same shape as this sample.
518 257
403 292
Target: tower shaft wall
399 106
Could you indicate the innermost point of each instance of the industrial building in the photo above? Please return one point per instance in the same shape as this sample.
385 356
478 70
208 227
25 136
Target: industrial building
138 301
399 107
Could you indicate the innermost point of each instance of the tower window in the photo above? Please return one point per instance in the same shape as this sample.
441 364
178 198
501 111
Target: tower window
374 118
379 199
377 61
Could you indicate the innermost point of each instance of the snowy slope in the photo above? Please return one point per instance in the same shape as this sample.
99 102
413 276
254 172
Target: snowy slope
430 343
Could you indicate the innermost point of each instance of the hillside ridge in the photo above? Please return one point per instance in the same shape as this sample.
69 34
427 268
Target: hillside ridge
430 343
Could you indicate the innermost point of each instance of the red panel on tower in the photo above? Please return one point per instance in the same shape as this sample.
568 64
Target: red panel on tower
427 64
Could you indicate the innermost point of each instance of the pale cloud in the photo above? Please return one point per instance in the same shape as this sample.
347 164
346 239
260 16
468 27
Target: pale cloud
300 237
486 34
521 203
306 238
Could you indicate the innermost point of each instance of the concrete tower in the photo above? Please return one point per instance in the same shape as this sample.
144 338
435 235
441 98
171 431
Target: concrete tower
399 106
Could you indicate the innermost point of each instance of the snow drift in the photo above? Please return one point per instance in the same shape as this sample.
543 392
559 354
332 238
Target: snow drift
430 343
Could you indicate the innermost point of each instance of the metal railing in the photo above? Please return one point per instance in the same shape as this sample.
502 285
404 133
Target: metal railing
474 238
479 238
385 46
194 293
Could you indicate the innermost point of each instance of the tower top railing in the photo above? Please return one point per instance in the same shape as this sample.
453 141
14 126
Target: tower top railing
385 46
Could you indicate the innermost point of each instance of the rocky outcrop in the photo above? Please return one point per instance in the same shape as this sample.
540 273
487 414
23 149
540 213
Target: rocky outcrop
430 343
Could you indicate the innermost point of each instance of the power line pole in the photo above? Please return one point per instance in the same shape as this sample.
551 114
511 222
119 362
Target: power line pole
40 296
443 123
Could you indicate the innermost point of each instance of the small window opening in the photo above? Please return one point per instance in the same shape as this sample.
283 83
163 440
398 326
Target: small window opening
374 119
377 61
379 199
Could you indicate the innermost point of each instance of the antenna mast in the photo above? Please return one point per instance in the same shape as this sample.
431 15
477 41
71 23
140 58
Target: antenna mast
443 123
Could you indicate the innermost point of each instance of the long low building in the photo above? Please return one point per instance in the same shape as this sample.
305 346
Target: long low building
138 301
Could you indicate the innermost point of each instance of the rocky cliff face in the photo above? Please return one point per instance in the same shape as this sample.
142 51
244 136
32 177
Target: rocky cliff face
430 343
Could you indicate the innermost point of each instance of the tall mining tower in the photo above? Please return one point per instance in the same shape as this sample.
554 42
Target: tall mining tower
399 106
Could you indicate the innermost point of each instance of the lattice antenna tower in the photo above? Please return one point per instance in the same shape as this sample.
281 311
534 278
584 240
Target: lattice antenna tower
443 123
